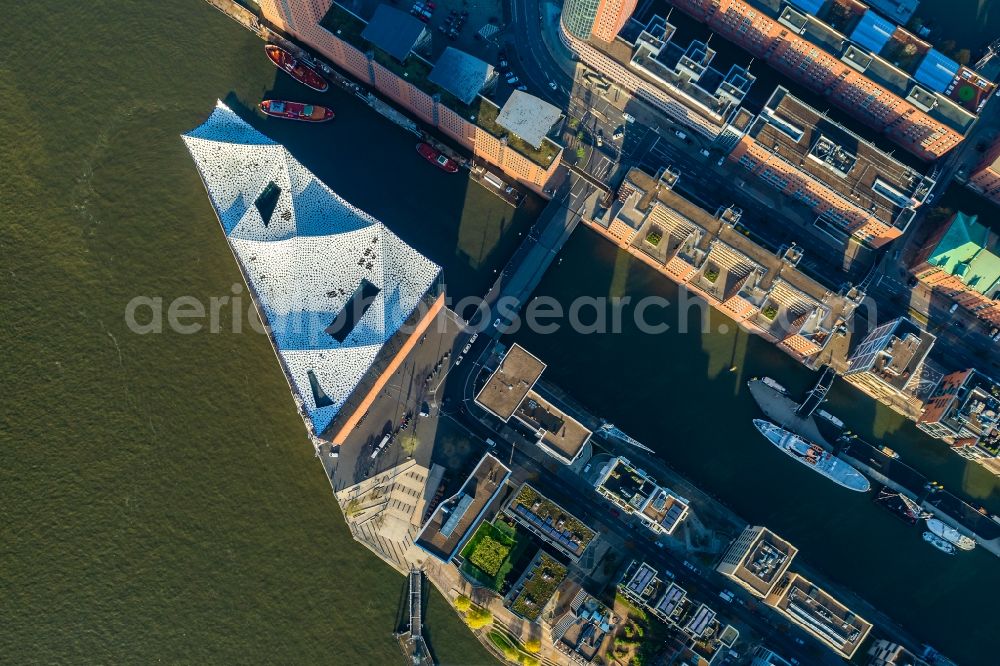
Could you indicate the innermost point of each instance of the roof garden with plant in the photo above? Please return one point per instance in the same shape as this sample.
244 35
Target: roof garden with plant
539 584
552 514
490 555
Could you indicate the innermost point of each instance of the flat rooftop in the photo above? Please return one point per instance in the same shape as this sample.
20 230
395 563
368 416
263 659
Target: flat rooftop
561 432
767 559
820 614
453 520
843 162
510 382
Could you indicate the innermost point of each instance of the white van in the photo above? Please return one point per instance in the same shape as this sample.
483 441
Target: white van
628 117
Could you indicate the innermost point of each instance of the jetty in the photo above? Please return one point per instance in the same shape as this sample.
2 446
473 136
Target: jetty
412 640
891 472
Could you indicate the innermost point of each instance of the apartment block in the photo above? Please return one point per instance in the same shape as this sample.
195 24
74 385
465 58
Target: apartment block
986 178
637 493
704 637
819 614
964 411
889 364
676 78
757 560
380 58
856 190
867 66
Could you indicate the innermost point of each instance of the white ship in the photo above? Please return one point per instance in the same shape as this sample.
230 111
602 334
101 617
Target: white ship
939 543
950 534
814 457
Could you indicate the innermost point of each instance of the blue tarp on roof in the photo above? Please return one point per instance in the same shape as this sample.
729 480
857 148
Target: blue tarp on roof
873 32
936 71
808 6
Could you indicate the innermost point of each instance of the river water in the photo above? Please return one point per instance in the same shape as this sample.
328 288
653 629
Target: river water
163 500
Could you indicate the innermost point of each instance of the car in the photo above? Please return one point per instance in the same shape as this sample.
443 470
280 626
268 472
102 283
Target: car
458 361
467 348
628 117
799 641
726 596
599 139
680 135
552 84
951 310
513 79
490 443
503 63
704 151
497 323
722 160
690 566
522 87
587 468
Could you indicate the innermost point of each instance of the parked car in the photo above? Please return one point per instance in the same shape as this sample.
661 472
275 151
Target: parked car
512 80
704 151
628 117
522 88
600 138
552 84
503 63
680 135
722 160
619 132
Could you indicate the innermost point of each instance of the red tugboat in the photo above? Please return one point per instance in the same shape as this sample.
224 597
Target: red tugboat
310 113
437 158
287 63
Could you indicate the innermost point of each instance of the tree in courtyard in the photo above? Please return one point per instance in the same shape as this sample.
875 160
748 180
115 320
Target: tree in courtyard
528 660
463 603
511 653
581 153
533 645
477 618
962 56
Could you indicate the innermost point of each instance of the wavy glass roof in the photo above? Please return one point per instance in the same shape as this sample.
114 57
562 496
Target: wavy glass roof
332 282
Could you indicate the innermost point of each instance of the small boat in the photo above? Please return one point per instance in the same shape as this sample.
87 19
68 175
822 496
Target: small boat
950 534
887 452
311 113
301 72
900 505
437 158
814 457
939 543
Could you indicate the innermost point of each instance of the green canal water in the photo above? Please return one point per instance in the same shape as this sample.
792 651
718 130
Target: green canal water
677 393
160 502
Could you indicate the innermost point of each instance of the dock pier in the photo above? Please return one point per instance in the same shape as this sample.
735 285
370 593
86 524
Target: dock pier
890 472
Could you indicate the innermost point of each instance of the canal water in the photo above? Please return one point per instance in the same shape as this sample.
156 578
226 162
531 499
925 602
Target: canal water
684 394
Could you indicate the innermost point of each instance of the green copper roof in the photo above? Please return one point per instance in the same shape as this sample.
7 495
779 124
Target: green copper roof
966 252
